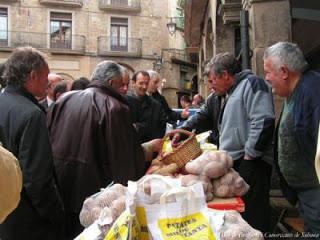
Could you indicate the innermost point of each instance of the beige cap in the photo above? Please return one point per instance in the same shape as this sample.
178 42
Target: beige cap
10 183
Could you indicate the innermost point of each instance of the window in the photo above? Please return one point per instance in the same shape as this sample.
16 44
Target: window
119 2
3 27
119 34
60 30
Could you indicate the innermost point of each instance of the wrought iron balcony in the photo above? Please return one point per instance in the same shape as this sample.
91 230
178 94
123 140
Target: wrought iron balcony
113 46
67 3
56 44
120 5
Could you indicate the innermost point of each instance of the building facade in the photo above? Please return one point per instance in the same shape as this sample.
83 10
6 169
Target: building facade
78 34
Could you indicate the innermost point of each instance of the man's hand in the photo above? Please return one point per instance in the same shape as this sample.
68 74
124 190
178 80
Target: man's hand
156 144
175 140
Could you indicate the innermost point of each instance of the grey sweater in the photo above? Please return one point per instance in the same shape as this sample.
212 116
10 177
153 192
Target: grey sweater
247 123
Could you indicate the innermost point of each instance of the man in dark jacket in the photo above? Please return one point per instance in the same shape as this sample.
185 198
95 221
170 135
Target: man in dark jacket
147 114
296 136
39 214
93 140
171 116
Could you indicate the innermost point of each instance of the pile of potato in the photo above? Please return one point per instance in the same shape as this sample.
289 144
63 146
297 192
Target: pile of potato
107 205
230 185
212 164
235 228
212 168
217 167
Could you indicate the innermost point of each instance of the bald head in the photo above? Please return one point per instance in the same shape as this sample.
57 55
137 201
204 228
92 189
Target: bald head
53 80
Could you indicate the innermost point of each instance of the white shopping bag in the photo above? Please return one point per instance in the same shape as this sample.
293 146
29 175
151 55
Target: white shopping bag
182 214
145 192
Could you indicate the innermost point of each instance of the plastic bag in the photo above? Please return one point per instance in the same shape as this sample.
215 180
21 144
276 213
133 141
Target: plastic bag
181 214
145 192
124 228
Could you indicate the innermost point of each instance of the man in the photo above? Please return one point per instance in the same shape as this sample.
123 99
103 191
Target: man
296 136
246 125
59 89
80 84
207 118
53 80
185 102
39 214
93 140
147 114
197 101
171 116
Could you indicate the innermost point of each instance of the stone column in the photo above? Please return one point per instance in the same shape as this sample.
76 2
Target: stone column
269 22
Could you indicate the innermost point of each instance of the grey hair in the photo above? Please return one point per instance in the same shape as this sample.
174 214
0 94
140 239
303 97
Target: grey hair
106 71
20 64
286 53
153 74
223 62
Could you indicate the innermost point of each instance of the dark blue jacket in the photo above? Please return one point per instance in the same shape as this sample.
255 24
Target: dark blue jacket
306 113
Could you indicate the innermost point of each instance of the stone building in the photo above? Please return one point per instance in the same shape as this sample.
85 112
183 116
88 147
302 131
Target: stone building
247 27
77 34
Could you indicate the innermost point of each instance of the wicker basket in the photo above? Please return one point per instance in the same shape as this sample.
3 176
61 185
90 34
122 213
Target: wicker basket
189 149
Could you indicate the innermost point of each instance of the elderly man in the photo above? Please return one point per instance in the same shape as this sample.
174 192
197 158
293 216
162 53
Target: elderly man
296 139
171 116
39 214
93 140
147 114
242 107
246 125
53 80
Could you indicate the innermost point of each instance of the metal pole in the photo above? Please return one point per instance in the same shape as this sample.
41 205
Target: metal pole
244 30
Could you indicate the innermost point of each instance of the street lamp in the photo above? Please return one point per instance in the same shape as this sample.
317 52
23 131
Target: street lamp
172 25
157 64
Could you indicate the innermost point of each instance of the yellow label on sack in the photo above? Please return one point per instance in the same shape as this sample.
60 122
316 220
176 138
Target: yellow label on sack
191 227
125 227
167 147
141 216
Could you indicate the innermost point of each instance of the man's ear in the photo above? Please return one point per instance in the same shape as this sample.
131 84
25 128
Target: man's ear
284 72
32 75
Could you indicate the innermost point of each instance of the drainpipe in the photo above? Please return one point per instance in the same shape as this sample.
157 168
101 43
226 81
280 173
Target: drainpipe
244 30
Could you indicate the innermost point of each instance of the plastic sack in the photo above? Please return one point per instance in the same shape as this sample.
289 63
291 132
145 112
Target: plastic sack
181 214
124 228
145 192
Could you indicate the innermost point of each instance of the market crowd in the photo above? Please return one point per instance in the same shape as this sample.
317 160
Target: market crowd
71 139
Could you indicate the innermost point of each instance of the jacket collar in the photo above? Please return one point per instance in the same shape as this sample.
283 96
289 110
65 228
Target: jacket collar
108 90
238 77
23 92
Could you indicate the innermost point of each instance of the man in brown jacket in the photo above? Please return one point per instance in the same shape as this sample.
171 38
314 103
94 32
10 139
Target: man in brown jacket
93 140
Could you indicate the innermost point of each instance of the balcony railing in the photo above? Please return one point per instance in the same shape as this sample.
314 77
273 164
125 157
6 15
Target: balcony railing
113 46
10 39
71 3
120 5
173 53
